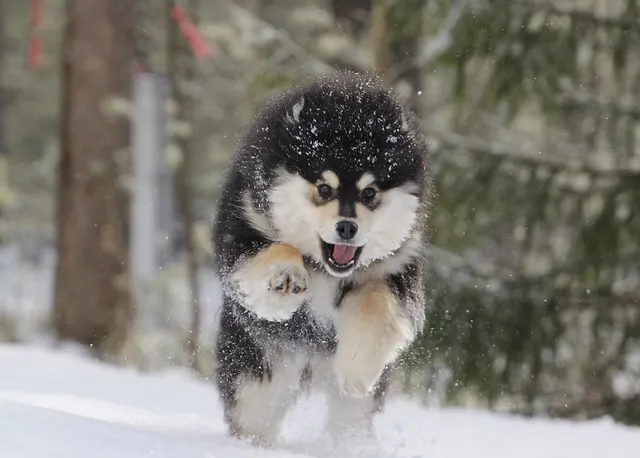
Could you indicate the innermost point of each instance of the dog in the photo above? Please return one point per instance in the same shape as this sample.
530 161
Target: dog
319 241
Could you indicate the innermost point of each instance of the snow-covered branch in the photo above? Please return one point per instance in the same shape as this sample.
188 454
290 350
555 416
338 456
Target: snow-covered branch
434 47
452 140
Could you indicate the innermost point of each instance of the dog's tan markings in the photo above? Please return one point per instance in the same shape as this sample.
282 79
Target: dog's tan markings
275 254
331 179
376 303
368 180
328 211
371 332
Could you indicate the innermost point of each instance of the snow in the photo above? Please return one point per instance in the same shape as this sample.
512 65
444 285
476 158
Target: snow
56 404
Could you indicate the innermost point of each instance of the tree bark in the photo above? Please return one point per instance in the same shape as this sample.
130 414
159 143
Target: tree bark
381 39
182 72
353 15
2 53
394 49
92 288
4 186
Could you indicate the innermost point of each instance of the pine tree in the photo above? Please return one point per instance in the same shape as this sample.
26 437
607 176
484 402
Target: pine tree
535 296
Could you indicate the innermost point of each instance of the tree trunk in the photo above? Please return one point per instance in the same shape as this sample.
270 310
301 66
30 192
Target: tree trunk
395 33
352 15
404 53
2 66
4 185
182 72
92 289
381 38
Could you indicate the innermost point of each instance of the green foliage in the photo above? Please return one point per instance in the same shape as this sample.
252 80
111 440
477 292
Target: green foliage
543 291
405 19
533 49
528 56
272 81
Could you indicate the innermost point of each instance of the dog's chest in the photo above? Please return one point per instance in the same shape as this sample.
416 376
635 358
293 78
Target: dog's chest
324 292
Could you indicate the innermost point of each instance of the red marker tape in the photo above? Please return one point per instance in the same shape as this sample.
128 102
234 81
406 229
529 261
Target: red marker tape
36 47
191 33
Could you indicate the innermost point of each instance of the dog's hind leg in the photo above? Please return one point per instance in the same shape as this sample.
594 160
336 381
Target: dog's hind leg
256 388
261 405
349 417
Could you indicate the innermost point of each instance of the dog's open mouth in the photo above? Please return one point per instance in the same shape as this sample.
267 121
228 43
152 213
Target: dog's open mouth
341 258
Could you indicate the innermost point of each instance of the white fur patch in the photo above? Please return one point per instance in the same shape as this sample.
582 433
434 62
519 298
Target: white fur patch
412 248
294 117
262 404
365 180
331 179
347 417
258 221
369 338
294 215
323 295
389 225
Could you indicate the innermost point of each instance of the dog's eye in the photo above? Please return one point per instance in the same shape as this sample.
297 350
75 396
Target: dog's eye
368 194
325 191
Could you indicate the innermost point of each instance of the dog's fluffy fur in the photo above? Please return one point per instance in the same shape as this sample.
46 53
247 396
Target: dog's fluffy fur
310 298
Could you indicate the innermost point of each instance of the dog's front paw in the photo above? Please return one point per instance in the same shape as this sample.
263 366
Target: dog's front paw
289 279
274 283
357 370
275 292
287 290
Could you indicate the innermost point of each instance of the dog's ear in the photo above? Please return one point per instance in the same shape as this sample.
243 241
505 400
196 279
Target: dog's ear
293 113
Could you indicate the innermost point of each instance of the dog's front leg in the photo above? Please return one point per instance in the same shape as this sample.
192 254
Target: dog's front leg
372 330
273 283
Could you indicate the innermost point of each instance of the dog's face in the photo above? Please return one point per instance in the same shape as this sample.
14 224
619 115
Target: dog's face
349 179
344 223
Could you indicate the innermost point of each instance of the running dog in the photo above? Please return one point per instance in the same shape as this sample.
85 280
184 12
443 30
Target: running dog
319 241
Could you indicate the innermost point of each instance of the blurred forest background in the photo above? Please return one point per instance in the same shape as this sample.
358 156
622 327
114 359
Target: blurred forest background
117 120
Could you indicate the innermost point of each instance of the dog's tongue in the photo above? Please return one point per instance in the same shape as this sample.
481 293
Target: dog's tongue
342 254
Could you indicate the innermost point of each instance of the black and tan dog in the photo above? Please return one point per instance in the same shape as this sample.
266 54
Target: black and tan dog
319 240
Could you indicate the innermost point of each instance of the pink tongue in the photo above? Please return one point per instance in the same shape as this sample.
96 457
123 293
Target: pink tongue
342 254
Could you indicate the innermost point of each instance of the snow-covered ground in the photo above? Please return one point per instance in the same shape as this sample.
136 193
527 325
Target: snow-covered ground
60 405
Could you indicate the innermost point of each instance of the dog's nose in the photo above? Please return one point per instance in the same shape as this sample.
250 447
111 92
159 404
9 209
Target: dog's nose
346 229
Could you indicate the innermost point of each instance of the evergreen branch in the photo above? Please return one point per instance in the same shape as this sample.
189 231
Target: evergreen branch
485 270
438 45
580 15
295 49
506 279
477 146
586 103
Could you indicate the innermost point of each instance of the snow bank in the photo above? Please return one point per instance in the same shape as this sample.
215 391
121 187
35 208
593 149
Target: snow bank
58 405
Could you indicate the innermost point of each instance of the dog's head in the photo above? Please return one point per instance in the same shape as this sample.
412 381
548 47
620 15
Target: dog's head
349 175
